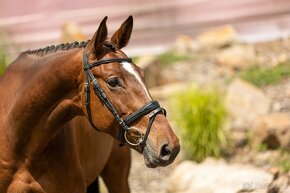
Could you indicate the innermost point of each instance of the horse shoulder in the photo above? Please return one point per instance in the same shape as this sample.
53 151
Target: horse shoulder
94 148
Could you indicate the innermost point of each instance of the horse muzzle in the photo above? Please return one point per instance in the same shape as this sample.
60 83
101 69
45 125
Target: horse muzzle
161 158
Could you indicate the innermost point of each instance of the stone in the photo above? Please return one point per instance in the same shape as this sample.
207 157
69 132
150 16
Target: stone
216 176
164 91
152 69
280 185
245 103
238 57
217 37
157 75
146 61
71 32
185 45
281 58
272 130
239 139
276 106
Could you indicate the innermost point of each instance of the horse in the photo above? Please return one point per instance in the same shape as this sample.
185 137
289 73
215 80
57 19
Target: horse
110 161
61 107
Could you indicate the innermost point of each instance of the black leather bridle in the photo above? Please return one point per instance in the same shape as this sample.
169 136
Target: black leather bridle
152 108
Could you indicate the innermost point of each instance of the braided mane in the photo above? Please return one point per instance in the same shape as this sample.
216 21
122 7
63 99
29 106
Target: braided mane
55 48
63 47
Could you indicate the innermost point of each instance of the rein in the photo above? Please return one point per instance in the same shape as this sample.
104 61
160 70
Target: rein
152 108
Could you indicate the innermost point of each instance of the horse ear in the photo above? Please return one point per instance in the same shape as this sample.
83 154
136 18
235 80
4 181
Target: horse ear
122 35
96 43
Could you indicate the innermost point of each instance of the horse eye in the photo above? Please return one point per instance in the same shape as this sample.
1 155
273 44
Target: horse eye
113 82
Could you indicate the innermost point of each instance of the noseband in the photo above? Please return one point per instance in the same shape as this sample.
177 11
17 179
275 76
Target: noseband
152 108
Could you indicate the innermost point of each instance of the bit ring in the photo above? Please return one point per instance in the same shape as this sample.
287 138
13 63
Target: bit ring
138 131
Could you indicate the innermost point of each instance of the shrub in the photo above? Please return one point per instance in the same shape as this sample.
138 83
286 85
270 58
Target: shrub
3 54
135 58
170 57
266 76
3 60
200 115
282 162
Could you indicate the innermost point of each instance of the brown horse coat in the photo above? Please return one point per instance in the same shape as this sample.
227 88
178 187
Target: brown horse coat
46 147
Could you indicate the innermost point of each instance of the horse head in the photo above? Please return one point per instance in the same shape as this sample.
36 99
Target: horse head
116 100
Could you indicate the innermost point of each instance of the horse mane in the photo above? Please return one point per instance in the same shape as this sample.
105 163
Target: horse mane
55 48
64 47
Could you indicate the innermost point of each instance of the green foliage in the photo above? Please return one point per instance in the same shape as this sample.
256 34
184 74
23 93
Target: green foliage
266 76
171 57
262 147
3 60
135 58
200 115
283 161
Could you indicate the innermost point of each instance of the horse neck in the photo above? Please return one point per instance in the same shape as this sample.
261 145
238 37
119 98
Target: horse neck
50 98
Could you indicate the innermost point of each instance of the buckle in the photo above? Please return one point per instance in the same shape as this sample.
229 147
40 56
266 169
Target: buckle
137 132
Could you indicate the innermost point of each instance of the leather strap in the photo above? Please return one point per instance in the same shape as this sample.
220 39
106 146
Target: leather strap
141 112
106 61
152 107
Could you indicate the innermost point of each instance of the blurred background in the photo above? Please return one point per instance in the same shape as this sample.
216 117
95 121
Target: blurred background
221 67
33 24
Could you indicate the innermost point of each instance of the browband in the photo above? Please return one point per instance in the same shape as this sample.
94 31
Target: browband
106 61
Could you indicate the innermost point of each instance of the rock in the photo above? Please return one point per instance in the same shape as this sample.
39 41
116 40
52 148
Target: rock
217 37
239 139
280 185
245 103
146 61
214 176
152 70
263 157
184 45
276 106
237 57
162 92
272 130
157 74
71 32
281 58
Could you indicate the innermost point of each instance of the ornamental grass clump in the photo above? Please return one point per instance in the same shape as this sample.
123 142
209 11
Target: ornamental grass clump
3 60
199 115
170 57
261 77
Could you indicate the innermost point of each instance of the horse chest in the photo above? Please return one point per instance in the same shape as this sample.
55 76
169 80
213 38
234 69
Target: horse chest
52 172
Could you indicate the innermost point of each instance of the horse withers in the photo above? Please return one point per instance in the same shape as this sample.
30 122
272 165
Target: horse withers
51 98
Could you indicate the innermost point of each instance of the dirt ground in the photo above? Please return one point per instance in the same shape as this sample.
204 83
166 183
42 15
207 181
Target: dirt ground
146 180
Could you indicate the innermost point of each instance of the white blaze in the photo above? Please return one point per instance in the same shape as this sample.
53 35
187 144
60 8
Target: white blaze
129 68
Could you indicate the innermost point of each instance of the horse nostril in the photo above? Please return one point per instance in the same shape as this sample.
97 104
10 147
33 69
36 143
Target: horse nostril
165 152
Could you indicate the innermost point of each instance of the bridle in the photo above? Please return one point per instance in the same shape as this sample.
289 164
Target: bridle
152 108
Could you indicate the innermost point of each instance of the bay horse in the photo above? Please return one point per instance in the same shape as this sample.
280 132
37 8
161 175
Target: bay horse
53 102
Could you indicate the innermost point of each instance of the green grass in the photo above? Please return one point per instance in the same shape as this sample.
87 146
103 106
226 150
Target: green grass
170 57
3 60
135 59
266 76
283 162
262 147
280 160
199 114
